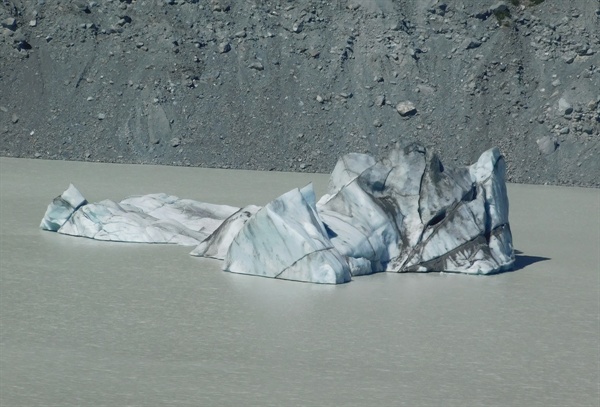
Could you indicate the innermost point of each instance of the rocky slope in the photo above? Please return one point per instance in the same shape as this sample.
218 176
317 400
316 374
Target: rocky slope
293 85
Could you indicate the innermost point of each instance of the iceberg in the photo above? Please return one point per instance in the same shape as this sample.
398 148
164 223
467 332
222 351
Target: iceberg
153 218
217 244
61 209
420 216
405 213
286 239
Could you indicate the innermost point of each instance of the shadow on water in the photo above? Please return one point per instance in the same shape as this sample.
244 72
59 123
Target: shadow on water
522 261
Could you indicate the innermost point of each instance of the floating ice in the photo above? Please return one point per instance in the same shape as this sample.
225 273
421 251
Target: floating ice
418 215
154 218
61 209
405 213
286 239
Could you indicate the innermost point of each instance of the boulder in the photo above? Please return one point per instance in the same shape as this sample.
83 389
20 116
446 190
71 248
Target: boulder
406 108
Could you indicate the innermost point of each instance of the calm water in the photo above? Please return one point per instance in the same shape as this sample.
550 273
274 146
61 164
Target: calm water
87 323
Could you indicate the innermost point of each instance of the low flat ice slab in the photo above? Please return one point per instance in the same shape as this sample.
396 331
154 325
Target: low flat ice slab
153 218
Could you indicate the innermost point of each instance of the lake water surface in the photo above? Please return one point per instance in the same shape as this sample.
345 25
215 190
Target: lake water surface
86 323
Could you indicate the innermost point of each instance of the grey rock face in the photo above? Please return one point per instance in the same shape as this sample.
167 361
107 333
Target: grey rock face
158 125
127 54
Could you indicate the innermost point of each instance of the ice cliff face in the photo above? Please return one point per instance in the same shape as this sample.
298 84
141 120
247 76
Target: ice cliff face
406 213
410 213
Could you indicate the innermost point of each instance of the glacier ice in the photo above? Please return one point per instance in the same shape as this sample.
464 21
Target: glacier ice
61 209
421 216
153 218
286 239
217 244
405 213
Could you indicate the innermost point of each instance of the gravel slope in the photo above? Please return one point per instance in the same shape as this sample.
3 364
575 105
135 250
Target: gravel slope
292 85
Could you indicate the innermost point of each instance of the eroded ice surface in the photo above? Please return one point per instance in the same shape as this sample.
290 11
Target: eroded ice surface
217 244
61 209
418 215
153 218
407 212
286 239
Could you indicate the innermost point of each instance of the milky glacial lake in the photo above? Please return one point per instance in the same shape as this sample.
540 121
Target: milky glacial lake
87 323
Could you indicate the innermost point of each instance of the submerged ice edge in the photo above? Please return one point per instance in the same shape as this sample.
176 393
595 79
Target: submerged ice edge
405 213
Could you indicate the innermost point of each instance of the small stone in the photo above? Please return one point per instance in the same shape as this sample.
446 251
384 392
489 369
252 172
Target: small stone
406 108
564 130
89 98
378 78
470 43
380 100
377 123
101 116
10 23
82 6
240 34
224 47
556 82
569 58
314 53
564 107
500 7
346 95
302 166
396 26
15 118
175 142
33 23
220 7
320 99
37 155
546 145
297 27
257 66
